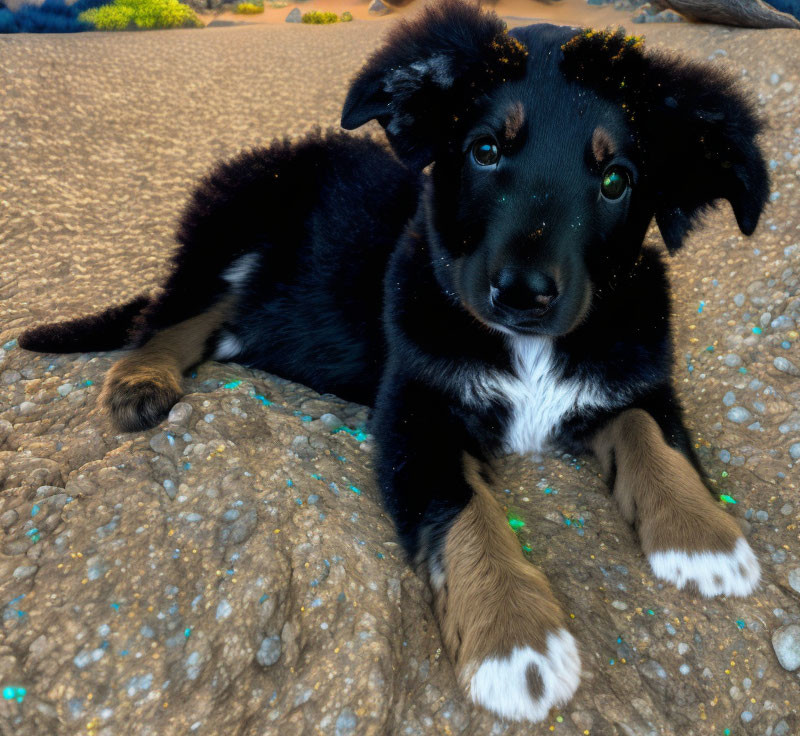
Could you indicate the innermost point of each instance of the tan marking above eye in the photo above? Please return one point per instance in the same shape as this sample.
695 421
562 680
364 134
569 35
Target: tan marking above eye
603 146
515 119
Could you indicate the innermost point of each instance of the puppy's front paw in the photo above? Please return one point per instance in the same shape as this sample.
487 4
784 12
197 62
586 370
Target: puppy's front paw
499 619
696 544
526 683
713 572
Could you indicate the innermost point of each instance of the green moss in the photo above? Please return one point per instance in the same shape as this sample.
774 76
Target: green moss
277 3
249 9
317 17
123 15
346 17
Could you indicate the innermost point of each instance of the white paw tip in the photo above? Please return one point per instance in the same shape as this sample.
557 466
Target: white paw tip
715 573
526 684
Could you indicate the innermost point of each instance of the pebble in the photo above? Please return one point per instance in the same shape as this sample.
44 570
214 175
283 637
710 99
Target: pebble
729 399
376 7
762 516
725 456
295 16
732 360
6 429
346 722
64 389
9 377
739 415
794 451
224 609
8 518
785 365
786 643
269 651
27 407
180 413
170 488
23 572
331 421
794 579
784 322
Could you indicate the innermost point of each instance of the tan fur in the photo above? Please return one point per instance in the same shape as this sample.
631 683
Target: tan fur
602 145
141 387
515 119
659 491
493 598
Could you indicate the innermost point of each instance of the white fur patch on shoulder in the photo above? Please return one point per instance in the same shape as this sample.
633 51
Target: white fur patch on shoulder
228 346
239 271
715 573
502 685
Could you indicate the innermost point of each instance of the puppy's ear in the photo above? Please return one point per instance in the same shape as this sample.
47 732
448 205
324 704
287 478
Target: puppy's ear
423 80
709 152
696 129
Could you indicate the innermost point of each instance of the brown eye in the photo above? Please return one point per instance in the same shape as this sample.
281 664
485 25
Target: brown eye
615 182
485 151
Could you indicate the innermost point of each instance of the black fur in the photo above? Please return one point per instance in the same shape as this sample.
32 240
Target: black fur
394 288
107 330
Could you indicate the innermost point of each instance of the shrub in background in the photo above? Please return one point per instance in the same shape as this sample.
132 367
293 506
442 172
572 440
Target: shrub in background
124 15
317 17
346 17
249 9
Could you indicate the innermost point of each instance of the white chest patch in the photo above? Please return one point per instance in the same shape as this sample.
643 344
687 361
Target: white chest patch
539 397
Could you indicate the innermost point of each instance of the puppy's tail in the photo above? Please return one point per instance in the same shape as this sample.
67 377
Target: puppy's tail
108 330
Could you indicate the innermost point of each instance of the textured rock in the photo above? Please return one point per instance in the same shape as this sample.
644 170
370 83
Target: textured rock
160 569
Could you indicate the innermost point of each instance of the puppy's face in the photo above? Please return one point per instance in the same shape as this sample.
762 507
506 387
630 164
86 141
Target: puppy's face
537 205
552 150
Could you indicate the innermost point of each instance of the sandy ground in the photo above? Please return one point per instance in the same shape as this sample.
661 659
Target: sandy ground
231 571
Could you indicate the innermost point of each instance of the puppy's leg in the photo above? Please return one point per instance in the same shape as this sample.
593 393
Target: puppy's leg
685 534
141 388
502 627
498 615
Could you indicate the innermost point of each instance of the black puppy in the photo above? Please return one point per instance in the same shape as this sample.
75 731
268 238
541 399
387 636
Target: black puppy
500 301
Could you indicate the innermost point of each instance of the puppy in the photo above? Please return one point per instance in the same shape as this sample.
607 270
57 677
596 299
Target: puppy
485 288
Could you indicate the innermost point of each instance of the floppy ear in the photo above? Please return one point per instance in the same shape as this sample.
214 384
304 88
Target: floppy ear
427 74
697 131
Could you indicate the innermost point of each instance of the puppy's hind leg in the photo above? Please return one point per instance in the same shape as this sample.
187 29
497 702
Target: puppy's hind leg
140 389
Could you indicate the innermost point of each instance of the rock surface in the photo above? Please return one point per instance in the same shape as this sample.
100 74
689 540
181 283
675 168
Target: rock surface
231 571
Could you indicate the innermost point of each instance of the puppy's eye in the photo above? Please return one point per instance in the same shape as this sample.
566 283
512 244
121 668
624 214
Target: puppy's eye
616 181
485 151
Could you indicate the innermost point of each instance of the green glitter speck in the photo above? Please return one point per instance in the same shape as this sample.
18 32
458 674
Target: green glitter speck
727 499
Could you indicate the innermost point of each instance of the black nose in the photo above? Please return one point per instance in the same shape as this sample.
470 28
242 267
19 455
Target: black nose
524 290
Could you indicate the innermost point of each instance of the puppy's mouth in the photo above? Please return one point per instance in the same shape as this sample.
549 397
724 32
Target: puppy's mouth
547 322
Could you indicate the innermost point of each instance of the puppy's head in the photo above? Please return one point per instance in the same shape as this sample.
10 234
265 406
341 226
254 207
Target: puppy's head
552 151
